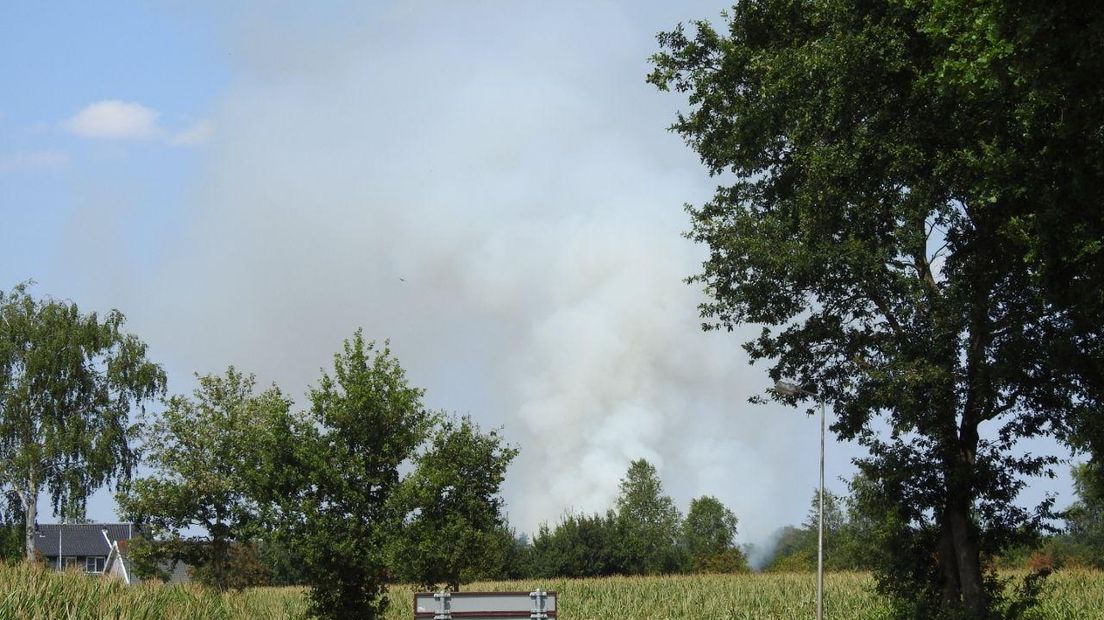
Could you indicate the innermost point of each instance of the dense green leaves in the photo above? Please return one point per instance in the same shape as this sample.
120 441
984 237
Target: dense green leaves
579 546
343 461
319 497
849 543
708 538
913 217
454 515
644 535
207 453
68 384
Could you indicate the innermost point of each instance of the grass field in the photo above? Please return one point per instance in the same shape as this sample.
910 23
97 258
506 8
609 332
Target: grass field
40 594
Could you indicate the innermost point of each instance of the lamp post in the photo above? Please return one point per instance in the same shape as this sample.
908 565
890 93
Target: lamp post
791 389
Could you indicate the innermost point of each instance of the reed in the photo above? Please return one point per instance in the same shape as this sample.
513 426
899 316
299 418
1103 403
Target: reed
28 592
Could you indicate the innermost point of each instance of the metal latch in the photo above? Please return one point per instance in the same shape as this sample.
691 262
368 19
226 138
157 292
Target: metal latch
444 606
538 597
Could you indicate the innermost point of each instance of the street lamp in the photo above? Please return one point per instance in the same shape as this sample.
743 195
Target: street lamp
791 389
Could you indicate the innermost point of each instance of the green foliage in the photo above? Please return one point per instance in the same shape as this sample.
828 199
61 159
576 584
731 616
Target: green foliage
333 477
243 567
317 498
281 562
1085 518
206 452
517 556
11 542
644 535
849 542
913 217
148 557
1081 543
454 521
68 383
648 523
579 546
708 538
794 551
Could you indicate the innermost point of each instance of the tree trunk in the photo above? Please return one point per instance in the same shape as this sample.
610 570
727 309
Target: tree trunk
968 558
29 500
218 561
948 565
956 520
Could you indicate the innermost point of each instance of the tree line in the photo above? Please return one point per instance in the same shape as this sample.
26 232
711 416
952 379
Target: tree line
361 487
644 534
855 534
364 486
364 474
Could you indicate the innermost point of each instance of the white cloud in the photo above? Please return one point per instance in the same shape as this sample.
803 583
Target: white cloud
33 160
113 119
116 120
197 134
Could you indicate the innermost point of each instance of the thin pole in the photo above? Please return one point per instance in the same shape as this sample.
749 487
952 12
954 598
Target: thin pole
59 546
820 527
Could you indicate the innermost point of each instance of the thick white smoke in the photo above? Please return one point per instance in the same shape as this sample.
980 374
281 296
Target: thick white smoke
490 187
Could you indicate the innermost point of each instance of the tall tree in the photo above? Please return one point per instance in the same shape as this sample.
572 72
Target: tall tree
206 452
453 508
648 523
68 383
334 474
709 537
913 208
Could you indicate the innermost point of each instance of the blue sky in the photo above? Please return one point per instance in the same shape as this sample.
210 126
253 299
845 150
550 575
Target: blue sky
60 58
489 185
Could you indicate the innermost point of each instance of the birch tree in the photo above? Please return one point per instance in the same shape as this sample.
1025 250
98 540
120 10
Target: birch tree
68 384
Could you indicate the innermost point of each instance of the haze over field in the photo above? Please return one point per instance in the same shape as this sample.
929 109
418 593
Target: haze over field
488 185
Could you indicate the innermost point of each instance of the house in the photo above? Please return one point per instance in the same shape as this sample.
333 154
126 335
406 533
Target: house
84 546
96 549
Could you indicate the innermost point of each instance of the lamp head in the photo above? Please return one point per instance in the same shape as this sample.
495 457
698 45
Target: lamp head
788 389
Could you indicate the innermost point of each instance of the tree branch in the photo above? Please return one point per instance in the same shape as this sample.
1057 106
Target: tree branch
883 307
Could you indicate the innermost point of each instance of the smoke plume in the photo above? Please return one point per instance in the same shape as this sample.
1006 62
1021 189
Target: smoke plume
491 188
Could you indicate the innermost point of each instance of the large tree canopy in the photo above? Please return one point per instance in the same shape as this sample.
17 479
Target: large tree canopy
913 217
453 512
333 475
68 382
208 452
709 538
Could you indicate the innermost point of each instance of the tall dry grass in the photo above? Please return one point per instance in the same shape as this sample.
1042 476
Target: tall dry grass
36 593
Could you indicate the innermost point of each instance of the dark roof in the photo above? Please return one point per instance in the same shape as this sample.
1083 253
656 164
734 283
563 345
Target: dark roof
79 539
